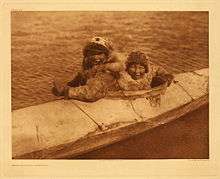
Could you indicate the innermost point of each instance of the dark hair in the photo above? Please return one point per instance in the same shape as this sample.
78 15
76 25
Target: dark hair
137 57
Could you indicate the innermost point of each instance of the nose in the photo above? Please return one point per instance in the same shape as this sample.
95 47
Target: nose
137 71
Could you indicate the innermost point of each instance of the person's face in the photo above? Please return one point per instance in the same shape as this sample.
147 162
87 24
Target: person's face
136 71
98 59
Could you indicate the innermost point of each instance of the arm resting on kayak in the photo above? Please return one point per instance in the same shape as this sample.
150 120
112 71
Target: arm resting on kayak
162 76
59 86
79 80
94 89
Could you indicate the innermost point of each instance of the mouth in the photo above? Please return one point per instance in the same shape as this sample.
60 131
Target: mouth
136 77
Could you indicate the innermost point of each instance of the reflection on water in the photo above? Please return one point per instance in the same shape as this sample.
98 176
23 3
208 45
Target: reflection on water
49 44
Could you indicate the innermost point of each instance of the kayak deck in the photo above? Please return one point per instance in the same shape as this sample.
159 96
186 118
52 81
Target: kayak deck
66 128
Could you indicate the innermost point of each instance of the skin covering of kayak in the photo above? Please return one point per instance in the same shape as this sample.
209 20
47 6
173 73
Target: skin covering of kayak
67 128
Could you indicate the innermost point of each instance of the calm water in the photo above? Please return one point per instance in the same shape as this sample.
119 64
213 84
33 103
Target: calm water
49 44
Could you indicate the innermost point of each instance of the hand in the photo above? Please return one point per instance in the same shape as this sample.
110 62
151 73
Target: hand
166 78
169 79
58 88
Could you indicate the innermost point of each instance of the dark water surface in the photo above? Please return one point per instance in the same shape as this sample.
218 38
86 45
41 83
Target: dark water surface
49 44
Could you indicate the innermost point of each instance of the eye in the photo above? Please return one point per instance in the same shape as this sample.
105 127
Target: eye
132 68
142 68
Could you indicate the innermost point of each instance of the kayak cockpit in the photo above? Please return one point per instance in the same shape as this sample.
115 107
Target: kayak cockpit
152 92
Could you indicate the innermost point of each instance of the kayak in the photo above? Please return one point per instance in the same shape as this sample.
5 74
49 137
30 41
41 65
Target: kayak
63 129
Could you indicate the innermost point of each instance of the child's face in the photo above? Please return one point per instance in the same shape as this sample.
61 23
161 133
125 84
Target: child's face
97 59
136 71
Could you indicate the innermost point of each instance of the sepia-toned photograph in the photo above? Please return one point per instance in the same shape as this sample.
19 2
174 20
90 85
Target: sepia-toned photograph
110 84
